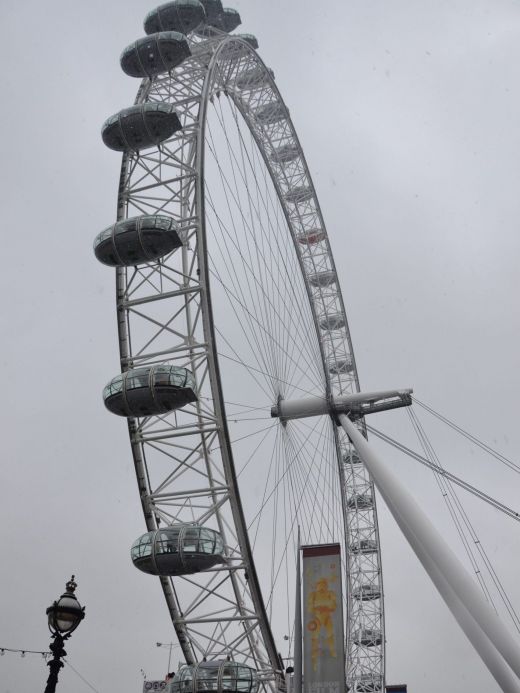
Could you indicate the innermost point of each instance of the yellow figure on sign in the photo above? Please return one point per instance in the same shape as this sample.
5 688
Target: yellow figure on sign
321 604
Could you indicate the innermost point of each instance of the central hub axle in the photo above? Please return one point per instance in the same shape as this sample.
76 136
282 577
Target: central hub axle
354 406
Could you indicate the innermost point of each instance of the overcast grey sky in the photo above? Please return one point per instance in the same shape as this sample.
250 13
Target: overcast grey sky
408 113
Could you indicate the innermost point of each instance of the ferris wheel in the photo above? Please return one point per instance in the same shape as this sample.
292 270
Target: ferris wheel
228 306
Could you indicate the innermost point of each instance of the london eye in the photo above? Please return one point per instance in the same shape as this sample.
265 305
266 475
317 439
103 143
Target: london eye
232 331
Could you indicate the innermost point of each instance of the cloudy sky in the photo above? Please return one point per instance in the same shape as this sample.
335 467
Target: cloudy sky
408 113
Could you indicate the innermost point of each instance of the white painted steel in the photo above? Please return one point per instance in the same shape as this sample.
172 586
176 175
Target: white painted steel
316 406
165 315
495 663
478 620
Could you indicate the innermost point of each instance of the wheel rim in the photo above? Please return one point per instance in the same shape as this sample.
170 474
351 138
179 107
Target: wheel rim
171 179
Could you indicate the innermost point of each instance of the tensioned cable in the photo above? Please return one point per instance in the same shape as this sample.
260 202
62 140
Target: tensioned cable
484 446
270 495
266 485
80 676
364 481
247 265
328 461
262 351
252 157
269 217
259 350
239 287
456 480
294 519
474 537
253 320
249 367
306 472
282 232
293 251
452 502
254 217
263 329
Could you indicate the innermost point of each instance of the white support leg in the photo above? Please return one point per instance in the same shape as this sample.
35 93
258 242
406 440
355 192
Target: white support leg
449 576
482 644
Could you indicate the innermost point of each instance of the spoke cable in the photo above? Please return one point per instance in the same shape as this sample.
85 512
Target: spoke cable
484 446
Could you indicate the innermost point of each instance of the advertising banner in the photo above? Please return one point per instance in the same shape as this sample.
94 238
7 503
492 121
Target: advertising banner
323 642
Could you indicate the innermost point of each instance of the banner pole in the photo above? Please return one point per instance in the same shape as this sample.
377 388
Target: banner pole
298 636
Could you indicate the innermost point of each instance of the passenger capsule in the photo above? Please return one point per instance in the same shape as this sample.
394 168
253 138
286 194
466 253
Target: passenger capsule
213 9
217 676
335 321
285 154
364 546
233 50
341 366
270 113
367 593
140 127
178 550
254 78
298 195
249 39
368 637
351 457
361 501
229 20
311 237
151 55
149 391
322 278
368 683
136 240
181 15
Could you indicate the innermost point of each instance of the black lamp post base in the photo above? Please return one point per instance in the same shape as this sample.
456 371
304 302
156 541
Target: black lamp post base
56 647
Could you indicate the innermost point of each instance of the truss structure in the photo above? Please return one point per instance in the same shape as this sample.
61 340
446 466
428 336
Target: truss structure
184 461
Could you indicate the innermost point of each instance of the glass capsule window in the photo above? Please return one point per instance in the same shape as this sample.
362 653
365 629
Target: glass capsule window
143 224
167 540
162 376
210 542
201 540
158 222
249 38
142 547
190 542
217 677
103 235
140 377
111 120
246 680
183 681
179 539
206 678
114 387
126 226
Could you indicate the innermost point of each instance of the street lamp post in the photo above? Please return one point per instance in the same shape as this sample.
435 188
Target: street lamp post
64 617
